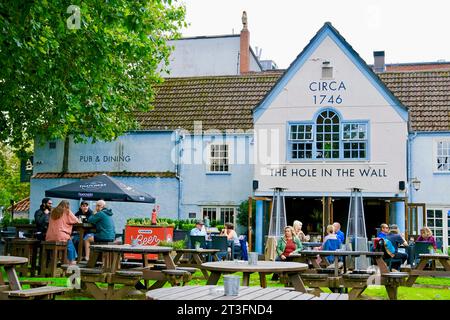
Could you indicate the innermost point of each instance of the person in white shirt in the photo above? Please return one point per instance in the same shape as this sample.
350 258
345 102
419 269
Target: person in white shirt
199 229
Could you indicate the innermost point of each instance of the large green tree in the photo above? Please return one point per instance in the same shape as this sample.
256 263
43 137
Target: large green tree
80 68
10 186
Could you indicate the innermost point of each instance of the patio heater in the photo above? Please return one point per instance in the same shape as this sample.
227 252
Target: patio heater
276 224
356 238
278 214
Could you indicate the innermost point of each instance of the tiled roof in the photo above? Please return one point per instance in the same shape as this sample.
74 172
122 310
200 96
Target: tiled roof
219 102
84 175
21 206
425 66
426 94
226 102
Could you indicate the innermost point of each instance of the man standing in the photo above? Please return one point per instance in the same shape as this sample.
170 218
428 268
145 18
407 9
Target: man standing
41 218
104 225
337 230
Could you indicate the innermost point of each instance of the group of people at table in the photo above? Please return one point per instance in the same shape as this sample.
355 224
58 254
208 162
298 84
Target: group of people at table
291 241
56 224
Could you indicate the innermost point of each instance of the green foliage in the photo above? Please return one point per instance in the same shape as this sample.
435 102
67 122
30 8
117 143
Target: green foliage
148 222
180 244
6 221
10 185
88 82
242 216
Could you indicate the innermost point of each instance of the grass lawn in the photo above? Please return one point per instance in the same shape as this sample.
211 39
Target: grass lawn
372 293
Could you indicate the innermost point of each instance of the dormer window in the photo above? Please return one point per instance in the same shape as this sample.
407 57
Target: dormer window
327 70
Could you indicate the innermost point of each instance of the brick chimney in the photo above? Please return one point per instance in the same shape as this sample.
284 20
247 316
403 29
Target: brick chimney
244 60
378 61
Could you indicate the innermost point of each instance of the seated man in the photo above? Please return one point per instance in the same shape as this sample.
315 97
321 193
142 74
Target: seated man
104 225
199 230
396 239
384 231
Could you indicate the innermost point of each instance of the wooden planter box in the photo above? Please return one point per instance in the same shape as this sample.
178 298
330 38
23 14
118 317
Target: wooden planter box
147 236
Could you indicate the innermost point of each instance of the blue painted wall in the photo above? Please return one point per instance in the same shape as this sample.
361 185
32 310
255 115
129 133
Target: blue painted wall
165 190
434 187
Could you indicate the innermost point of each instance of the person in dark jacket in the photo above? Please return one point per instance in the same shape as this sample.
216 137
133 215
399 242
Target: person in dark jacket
41 218
104 225
83 213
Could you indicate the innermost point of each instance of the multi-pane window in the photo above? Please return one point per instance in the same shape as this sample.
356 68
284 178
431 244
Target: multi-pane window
328 138
219 158
435 223
209 212
227 214
327 135
354 136
443 156
301 137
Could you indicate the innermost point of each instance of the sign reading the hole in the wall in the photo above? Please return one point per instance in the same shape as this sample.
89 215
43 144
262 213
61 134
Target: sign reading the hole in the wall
329 172
327 92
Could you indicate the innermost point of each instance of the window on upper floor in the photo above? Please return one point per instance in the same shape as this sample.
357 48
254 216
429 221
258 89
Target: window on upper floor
443 156
328 138
219 158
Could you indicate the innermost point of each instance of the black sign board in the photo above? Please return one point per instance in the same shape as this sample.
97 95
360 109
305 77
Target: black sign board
26 169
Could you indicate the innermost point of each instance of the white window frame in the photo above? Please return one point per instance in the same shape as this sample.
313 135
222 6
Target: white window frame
436 142
218 213
219 158
445 225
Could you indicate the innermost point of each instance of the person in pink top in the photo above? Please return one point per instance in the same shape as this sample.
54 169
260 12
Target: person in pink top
60 228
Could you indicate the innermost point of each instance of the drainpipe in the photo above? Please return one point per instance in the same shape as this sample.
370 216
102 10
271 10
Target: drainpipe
411 137
177 157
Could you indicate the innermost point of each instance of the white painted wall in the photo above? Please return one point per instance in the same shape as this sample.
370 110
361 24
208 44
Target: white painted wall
209 56
360 101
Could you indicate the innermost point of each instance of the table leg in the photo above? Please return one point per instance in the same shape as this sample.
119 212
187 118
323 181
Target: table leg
14 282
336 266
262 280
96 292
412 279
168 260
80 244
246 279
445 264
198 261
381 265
115 261
178 257
392 292
214 277
355 293
93 259
297 282
2 281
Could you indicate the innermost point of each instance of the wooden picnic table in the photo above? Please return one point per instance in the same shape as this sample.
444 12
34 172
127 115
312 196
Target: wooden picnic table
311 255
212 292
196 258
292 269
311 244
356 281
9 263
424 260
111 256
13 290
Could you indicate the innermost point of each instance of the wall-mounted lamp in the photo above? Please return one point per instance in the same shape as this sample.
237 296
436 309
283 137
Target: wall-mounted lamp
415 183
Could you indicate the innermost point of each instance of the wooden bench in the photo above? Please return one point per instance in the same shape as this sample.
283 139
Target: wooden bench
177 276
130 264
51 253
46 293
392 281
34 283
358 283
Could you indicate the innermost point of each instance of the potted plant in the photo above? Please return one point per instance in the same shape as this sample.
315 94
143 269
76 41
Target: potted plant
180 244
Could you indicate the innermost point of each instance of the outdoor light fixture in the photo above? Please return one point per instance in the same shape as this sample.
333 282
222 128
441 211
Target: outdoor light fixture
415 183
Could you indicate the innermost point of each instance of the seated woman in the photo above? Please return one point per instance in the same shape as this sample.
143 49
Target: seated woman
427 236
330 242
288 244
297 225
60 228
231 236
